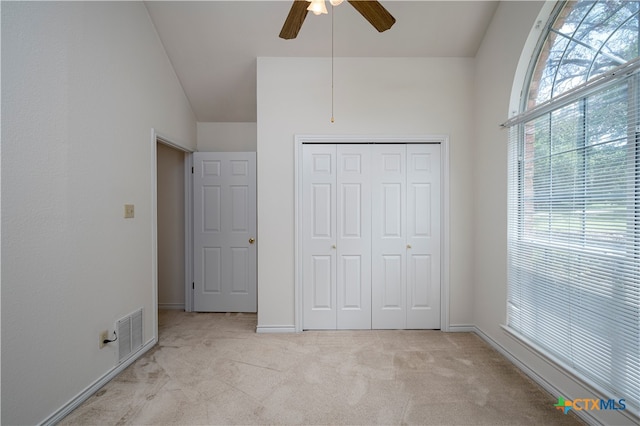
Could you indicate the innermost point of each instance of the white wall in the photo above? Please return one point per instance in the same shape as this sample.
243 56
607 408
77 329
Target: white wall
82 86
227 137
171 225
496 64
372 96
505 46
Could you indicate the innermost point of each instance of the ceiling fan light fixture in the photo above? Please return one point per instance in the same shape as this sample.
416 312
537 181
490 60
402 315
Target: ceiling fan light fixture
318 7
371 10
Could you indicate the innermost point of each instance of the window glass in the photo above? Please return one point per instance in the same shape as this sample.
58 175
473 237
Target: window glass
586 39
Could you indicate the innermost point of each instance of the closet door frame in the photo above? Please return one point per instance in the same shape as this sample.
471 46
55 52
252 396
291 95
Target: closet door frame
442 140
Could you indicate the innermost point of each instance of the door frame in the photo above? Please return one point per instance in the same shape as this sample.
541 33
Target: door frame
156 138
442 140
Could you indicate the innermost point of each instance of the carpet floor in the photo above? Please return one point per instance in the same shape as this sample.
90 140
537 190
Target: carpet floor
214 369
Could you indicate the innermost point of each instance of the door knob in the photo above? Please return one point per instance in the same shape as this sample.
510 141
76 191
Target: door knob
252 240
408 246
333 246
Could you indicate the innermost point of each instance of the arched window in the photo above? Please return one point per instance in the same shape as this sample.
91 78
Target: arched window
586 39
574 198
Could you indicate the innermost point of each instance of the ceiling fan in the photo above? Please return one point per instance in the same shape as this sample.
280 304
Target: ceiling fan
371 10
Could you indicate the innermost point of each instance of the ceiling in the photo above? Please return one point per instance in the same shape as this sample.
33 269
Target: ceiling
213 45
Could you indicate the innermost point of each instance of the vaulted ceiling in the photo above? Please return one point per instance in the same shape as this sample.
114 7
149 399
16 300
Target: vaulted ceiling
213 45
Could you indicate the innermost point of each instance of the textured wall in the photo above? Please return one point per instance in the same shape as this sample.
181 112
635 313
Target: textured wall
227 137
82 86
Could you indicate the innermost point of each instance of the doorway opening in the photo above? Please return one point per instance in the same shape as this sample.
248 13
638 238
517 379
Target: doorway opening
171 225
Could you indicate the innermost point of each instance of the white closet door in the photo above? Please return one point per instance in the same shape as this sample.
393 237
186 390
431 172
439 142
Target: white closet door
319 239
371 243
354 237
388 239
423 236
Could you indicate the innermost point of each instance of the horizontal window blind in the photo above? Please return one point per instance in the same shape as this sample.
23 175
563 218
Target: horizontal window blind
574 234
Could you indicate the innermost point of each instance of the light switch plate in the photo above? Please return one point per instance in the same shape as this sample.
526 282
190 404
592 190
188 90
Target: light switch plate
128 211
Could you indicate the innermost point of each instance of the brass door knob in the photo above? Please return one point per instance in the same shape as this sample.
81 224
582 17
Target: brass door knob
252 240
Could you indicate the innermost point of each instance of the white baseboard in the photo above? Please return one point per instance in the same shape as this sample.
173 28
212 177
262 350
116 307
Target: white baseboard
64 411
275 329
459 328
174 306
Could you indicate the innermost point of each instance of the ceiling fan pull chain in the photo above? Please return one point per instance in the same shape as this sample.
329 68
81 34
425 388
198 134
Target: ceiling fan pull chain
332 12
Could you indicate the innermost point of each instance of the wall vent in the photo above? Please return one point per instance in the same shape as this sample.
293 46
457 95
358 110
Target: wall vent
129 335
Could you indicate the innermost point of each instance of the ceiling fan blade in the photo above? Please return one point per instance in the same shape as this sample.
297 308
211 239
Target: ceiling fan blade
294 20
375 13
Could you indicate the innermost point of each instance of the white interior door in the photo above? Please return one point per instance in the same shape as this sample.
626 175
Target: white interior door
406 236
423 236
353 237
224 186
319 239
389 246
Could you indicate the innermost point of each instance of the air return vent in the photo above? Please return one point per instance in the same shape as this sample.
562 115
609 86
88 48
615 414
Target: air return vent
129 334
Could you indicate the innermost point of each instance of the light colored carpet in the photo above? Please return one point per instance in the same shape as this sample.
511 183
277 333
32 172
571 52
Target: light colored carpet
214 369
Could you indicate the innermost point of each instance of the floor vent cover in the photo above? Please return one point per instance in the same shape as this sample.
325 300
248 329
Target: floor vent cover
129 334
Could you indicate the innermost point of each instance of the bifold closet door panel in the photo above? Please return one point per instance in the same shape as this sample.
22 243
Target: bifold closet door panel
319 239
423 236
388 236
354 237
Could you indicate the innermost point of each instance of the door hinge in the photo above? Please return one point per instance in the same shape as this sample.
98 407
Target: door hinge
193 286
191 169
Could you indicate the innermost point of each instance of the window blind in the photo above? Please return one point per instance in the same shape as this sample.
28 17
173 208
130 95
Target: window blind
574 233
